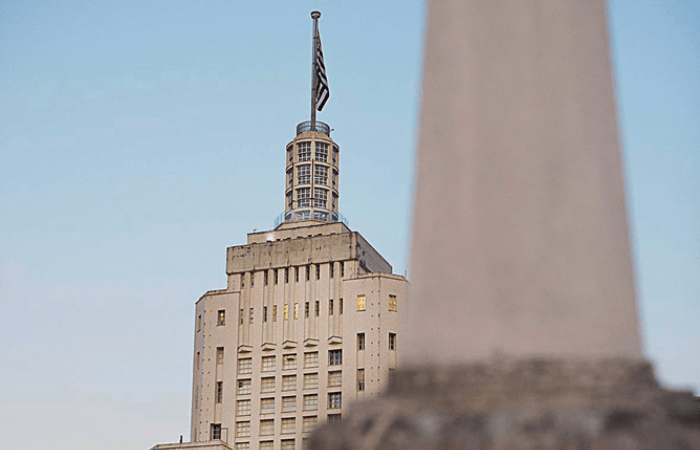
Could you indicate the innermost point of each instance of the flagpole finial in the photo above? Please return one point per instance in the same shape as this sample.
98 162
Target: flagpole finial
315 15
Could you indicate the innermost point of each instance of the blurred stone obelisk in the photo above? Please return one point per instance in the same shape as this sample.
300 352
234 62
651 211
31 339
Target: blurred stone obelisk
522 325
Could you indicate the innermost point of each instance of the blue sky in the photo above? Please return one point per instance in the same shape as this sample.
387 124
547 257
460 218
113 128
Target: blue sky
138 139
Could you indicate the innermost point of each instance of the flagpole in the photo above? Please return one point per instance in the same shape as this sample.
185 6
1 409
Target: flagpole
315 15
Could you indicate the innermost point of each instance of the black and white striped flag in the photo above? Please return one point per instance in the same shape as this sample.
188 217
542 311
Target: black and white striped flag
322 91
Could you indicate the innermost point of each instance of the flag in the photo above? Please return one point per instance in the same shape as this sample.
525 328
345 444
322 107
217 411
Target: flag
322 91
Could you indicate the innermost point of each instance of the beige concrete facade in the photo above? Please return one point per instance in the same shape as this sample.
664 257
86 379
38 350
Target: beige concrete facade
309 321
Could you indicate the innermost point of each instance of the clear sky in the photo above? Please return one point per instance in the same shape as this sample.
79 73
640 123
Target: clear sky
138 139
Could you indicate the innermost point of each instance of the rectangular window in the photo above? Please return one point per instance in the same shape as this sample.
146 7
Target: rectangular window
277 275
221 318
219 391
360 341
264 314
320 197
268 363
267 427
321 152
360 379
308 273
289 383
392 303
219 355
286 312
296 310
309 424
360 302
303 197
251 315
267 384
290 154
287 444
296 274
243 408
306 310
286 274
392 341
242 445
311 402
274 313
252 279
267 445
289 404
216 431
333 418
335 378
335 357
318 271
240 317
311 381
288 425
243 387
318 307
335 400
310 360
331 270
320 174
267 406
289 362
335 155
304 151
245 365
340 306
342 269
330 307
199 322
265 278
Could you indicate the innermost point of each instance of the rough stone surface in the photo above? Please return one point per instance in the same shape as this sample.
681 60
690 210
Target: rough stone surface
533 404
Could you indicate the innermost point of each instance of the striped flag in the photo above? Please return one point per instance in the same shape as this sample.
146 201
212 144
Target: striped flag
322 91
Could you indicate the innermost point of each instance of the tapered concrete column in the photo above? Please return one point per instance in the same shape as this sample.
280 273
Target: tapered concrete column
520 245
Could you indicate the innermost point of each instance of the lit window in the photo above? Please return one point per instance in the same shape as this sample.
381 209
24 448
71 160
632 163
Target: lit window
245 365
310 381
243 408
289 362
360 341
320 196
320 174
242 445
289 383
219 391
287 444
310 360
296 310
392 303
392 341
304 151
289 404
309 424
311 402
335 379
335 357
360 379
335 400
216 431
286 312
267 406
267 427
267 384
219 355
333 418
321 152
303 197
268 363
360 302
243 387
266 445
289 425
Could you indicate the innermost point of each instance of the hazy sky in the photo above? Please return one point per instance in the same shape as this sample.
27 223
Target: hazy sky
138 139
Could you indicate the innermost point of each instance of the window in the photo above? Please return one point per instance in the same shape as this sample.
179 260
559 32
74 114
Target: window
290 153
392 341
320 174
290 177
296 310
306 310
340 306
268 363
335 400
334 198
277 275
243 407
274 313
287 444
304 151
318 271
333 418
219 355
267 427
267 406
219 391
252 279
318 306
360 302
296 274
242 445
243 387
335 379
266 445
360 341
264 314
288 425
330 307
289 383
240 316
242 280
335 155
308 273
216 431
311 402
331 270
199 322
289 362
320 196
303 215
392 303
245 365
309 424
251 315
310 360
360 379
267 384
311 381
289 404
321 152
303 197
286 274
286 312
342 269
335 357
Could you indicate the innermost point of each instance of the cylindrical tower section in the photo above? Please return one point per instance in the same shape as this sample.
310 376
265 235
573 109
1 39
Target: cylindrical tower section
311 188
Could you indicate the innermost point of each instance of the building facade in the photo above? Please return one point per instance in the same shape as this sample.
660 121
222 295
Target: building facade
308 322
